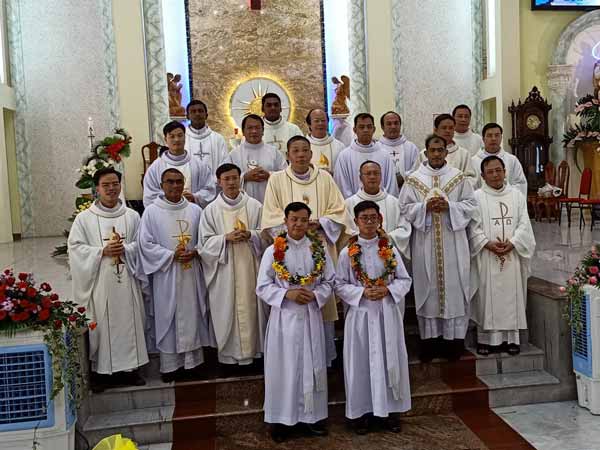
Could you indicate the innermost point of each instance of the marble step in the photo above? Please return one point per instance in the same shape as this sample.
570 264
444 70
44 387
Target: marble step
530 358
520 388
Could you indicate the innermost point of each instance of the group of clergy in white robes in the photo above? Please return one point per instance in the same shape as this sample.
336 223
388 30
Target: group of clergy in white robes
209 215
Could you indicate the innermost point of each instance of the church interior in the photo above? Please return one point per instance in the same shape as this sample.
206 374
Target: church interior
75 72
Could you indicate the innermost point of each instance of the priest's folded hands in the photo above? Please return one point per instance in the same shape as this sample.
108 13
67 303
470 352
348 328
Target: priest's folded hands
302 296
238 236
113 248
182 255
376 293
437 204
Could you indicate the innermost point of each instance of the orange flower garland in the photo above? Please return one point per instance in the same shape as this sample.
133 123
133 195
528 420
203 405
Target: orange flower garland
385 252
318 256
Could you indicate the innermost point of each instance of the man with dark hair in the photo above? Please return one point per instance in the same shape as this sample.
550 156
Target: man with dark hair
457 157
463 135
438 201
403 152
392 221
168 239
199 184
103 256
255 158
363 148
296 280
230 250
502 244
492 140
316 188
201 141
325 148
372 281
277 131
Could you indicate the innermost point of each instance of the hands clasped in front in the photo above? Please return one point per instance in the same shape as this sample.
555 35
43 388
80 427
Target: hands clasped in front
301 295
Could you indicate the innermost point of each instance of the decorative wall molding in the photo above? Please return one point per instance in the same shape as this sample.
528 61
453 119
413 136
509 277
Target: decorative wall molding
156 71
399 93
478 37
110 62
17 81
357 37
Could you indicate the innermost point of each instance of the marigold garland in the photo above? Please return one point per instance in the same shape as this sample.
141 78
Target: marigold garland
318 256
385 252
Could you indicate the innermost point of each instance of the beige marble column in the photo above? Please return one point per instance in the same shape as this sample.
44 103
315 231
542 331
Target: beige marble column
559 80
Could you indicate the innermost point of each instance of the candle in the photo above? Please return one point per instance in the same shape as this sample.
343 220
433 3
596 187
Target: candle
90 125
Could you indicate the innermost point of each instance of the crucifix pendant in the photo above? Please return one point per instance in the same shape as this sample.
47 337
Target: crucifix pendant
117 261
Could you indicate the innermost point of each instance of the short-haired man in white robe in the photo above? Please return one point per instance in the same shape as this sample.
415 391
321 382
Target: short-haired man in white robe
463 134
255 158
230 250
363 148
296 279
329 219
372 281
206 144
199 185
403 152
458 157
492 140
502 244
393 222
104 263
438 201
277 130
325 148
167 241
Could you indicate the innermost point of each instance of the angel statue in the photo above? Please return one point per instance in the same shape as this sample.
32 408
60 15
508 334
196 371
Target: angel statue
596 79
174 86
342 92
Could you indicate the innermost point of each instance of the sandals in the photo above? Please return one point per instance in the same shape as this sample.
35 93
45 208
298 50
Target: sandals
483 349
513 349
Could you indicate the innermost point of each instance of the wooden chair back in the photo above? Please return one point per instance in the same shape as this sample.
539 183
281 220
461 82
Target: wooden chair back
149 154
550 173
564 172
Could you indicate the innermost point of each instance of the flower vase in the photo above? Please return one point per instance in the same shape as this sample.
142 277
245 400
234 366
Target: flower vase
590 152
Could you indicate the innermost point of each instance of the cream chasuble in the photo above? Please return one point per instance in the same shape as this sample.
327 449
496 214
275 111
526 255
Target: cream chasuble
500 284
230 270
325 200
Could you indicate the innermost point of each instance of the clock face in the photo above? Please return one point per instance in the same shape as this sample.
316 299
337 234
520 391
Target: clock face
533 122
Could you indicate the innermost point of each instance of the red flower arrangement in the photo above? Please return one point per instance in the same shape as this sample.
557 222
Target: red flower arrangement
115 147
25 306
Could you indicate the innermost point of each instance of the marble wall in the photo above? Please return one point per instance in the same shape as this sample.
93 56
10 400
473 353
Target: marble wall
433 61
230 43
63 72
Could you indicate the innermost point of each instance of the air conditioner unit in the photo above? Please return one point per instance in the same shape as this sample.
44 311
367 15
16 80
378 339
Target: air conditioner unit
27 413
586 341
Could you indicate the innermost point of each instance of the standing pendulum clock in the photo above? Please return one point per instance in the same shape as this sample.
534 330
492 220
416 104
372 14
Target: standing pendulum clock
531 139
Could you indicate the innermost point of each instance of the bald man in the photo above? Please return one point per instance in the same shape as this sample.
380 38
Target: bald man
325 148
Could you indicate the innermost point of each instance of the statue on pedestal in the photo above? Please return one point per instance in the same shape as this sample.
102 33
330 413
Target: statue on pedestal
342 130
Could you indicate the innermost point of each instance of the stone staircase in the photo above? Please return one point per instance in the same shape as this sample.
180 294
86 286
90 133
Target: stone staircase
218 406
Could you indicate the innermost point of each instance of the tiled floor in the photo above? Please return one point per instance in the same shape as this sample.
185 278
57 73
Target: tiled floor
554 426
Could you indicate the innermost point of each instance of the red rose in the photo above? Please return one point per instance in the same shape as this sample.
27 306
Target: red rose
31 292
10 281
383 242
81 310
44 314
278 255
72 318
57 324
54 297
45 287
24 303
6 272
23 276
46 303
2 314
22 285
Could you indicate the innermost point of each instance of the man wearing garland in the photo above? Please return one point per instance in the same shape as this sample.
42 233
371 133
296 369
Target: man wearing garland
296 279
372 281
438 201
301 181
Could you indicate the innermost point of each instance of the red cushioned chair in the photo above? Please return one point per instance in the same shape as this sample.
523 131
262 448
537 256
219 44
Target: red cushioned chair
585 186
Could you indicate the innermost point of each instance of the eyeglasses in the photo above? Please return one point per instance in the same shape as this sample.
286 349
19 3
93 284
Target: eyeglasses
368 219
